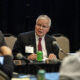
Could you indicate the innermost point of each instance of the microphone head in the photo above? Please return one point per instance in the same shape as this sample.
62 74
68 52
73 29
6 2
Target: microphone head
19 56
55 43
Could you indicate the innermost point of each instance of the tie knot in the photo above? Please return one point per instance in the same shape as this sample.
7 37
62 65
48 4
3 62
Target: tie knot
40 39
39 45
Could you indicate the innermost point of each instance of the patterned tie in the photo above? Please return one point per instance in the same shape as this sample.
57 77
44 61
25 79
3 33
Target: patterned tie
39 45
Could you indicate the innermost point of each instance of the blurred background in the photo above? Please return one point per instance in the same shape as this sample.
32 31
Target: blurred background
18 16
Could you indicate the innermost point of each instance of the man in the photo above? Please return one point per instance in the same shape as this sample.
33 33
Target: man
4 49
5 57
70 67
6 65
28 42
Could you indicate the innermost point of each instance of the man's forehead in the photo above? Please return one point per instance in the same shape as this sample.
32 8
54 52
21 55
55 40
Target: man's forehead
43 21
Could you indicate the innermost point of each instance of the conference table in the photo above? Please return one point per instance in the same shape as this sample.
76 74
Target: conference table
22 67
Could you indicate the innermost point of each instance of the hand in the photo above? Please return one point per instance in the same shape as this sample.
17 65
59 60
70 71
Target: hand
51 56
32 56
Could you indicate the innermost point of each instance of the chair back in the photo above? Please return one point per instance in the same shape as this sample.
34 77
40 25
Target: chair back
64 45
10 40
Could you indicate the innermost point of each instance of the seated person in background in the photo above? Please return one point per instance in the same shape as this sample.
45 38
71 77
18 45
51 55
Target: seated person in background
4 49
70 67
6 53
7 66
29 41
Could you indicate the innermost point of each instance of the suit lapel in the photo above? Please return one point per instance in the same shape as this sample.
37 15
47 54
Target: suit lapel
47 44
33 41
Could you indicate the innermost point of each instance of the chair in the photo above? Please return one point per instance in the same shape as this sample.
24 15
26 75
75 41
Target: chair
3 76
64 45
10 40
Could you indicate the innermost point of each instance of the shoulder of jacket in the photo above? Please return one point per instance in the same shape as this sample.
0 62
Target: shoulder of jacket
26 33
50 37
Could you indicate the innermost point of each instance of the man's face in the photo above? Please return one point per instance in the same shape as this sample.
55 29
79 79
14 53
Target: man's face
42 27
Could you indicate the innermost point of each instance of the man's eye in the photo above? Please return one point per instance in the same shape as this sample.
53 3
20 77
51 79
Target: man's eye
44 26
39 24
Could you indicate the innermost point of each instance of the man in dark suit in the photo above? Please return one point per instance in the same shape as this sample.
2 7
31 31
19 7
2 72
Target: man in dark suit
6 53
28 42
4 49
2 42
7 67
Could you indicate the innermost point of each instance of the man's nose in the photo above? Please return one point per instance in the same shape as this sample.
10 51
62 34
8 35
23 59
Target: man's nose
41 27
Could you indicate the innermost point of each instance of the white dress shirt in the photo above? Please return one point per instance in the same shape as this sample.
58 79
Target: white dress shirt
43 46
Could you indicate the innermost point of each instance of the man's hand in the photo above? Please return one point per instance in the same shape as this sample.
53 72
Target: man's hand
51 56
32 56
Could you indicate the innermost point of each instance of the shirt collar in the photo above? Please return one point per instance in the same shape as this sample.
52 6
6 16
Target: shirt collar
37 37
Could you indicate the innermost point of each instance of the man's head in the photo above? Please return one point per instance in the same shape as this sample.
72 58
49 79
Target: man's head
70 67
43 23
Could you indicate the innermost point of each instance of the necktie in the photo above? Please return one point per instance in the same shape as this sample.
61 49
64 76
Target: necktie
39 45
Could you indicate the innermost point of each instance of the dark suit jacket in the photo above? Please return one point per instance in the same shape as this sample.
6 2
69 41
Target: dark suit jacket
28 39
7 66
2 41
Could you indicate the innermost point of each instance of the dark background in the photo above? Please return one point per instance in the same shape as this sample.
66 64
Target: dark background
18 16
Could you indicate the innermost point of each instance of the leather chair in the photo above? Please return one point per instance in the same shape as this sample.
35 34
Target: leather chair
10 40
64 45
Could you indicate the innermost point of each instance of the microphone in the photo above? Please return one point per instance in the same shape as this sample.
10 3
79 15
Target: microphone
21 57
53 61
60 49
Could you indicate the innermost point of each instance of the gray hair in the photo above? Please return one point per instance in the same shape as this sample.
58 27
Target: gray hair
44 17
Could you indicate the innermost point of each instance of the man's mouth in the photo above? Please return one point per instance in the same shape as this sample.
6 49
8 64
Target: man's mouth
40 32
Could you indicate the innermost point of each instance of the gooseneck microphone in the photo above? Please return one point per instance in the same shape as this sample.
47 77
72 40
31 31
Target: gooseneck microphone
21 57
53 61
